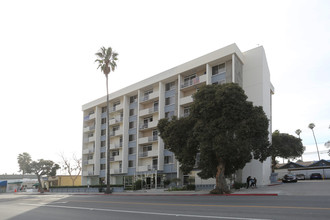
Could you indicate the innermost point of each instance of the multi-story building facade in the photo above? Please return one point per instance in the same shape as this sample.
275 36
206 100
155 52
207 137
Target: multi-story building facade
136 150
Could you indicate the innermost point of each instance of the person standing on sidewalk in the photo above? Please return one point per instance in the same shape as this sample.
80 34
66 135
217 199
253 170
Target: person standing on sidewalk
248 182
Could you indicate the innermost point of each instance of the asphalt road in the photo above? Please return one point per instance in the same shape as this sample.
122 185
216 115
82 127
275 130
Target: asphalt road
98 207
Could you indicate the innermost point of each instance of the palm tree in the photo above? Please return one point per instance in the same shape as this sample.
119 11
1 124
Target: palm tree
298 131
107 62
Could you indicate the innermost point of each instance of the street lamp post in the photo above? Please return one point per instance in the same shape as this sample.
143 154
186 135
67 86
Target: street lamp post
312 126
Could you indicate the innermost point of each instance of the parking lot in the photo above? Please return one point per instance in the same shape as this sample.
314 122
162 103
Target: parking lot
302 187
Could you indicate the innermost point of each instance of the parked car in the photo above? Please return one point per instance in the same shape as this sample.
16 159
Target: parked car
289 178
300 176
316 176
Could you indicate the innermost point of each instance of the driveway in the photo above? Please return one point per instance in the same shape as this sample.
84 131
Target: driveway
301 188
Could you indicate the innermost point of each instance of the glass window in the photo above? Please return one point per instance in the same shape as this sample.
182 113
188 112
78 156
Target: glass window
131 150
102 167
104 109
168 159
131 112
218 69
133 99
102 143
169 86
102 155
131 163
132 137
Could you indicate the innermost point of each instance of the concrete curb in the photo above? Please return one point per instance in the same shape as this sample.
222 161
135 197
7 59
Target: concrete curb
154 194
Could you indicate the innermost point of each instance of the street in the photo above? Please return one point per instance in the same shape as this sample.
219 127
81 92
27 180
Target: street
130 206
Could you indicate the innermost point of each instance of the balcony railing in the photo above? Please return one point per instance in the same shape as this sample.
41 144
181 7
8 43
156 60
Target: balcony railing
148 125
116 108
149 96
116 145
89 117
148 154
115 120
195 81
116 133
148 111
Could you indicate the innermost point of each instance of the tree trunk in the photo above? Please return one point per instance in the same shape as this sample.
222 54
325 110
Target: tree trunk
40 186
221 186
273 164
108 190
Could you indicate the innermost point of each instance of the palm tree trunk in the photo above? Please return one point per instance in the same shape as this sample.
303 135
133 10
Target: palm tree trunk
108 190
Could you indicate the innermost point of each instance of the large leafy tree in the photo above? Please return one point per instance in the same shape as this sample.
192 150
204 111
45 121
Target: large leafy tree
286 146
43 167
24 161
106 59
226 129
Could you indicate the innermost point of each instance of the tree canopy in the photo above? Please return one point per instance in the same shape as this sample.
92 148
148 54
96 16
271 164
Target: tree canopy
24 161
226 129
286 146
40 167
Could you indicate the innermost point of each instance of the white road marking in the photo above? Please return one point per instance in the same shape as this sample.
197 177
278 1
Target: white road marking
145 213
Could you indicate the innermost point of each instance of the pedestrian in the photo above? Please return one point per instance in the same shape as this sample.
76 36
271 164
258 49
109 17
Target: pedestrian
253 183
248 182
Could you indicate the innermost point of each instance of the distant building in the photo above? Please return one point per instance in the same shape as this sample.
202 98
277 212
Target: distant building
62 180
18 182
136 149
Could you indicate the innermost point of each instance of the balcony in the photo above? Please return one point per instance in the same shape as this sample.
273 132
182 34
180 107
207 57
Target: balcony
88 162
186 100
115 158
115 171
87 173
148 111
115 120
146 140
89 150
116 108
89 139
116 146
89 117
148 154
147 168
116 133
89 128
149 97
195 81
148 125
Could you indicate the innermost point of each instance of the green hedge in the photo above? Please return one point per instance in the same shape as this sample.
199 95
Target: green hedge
85 186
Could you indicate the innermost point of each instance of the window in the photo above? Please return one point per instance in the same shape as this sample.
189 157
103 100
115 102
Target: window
169 86
186 111
115 128
131 163
131 150
102 143
148 92
103 132
103 120
168 159
104 109
169 115
132 124
132 137
133 99
221 68
147 148
169 100
131 112
102 155
90 157
102 167
115 153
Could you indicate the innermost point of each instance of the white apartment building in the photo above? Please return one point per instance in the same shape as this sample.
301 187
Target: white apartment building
136 149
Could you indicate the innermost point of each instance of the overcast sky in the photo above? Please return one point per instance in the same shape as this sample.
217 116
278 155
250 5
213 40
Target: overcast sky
47 53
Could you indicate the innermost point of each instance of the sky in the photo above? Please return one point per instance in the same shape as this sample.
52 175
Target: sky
47 68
